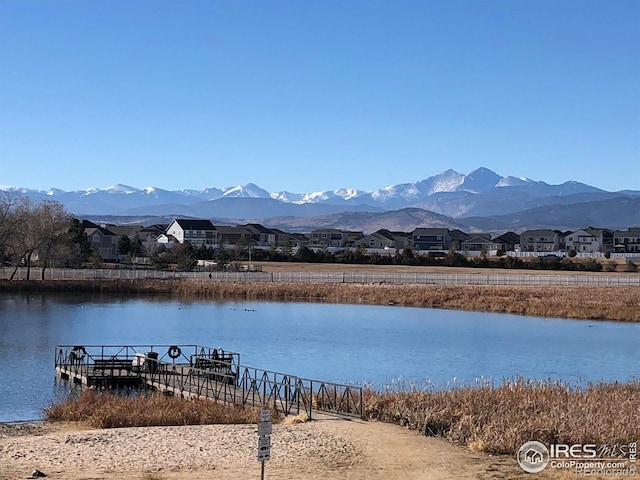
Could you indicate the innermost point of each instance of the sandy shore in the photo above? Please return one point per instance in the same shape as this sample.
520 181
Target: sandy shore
328 449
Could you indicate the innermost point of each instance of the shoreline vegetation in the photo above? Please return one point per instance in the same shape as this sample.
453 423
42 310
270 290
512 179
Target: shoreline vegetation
483 418
588 303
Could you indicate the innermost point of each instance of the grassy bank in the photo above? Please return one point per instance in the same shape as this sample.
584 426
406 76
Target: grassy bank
594 303
488 419
607 303
500 419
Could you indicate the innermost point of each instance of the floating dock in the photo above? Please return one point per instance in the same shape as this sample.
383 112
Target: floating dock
194 371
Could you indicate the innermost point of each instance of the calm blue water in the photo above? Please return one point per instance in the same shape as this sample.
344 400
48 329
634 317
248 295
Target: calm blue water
343 343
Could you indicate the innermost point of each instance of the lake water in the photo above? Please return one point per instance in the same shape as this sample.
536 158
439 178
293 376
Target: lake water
342 343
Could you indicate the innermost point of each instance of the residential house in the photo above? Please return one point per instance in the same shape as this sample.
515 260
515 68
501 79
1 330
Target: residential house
431 239
299 240
590 240
627 241
541 241
403 239
198 232
480 243
233 235
508 242
328 237
457 237
102 240
127 230
289 240
382 239
260 236
153 235
166 240
352 238
152 231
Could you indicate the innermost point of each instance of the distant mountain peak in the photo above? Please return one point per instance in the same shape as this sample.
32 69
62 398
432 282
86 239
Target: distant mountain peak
480 180
247 190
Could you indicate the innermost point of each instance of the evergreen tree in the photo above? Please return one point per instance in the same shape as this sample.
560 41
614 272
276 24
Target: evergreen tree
79 240
124 245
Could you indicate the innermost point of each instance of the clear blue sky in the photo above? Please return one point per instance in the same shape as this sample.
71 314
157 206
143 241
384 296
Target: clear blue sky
317 94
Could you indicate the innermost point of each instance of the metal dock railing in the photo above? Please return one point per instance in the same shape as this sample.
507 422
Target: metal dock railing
195 371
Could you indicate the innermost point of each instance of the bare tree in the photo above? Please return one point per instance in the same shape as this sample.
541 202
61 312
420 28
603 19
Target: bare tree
21 245
37 231
10 203
50 229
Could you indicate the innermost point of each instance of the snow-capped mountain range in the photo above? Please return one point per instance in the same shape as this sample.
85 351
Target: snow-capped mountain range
479 193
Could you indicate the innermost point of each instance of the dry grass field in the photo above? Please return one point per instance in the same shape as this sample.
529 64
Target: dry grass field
347 267
593 303
616 303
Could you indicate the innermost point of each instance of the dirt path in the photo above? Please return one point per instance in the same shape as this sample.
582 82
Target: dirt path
326 449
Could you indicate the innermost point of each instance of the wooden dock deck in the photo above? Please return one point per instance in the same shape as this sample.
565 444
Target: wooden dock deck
194 371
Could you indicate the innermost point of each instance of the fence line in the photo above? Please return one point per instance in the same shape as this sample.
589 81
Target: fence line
421 278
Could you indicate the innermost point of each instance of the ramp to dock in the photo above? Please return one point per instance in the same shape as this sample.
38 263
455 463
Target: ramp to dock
194 371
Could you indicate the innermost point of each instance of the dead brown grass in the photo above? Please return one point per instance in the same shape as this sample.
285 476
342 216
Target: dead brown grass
595 303
484 418
106 410
500 419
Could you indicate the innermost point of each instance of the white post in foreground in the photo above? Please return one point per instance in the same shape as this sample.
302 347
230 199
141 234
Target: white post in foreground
264 439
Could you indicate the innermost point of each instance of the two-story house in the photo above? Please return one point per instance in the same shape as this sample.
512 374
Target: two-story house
198 232
237 235
541 241
627 241
102 240
590 240
509 241
328 237
431 239
261 236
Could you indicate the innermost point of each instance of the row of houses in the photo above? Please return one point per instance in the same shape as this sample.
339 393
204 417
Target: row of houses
202 233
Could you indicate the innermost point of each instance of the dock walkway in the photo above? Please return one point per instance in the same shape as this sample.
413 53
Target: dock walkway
194 371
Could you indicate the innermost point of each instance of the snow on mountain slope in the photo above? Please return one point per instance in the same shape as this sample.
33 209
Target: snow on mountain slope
120 188
513 181
449 192
287 197
249 190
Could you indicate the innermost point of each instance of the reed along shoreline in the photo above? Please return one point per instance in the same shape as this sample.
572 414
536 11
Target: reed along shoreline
588 303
